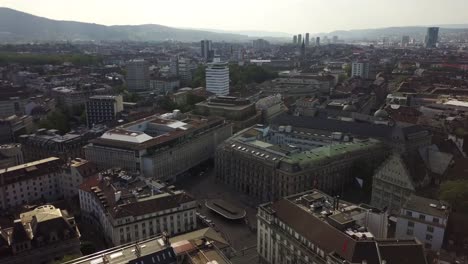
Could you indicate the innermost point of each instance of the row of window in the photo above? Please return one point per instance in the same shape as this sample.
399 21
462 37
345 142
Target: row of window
422 217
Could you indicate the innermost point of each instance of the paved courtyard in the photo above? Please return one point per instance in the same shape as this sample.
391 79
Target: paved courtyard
241 234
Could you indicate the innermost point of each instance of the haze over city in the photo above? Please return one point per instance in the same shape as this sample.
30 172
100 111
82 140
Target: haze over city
267 15
233 132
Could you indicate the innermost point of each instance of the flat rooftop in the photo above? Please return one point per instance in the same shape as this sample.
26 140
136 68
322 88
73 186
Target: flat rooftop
226 209
154 248
427 206
329 223
154 130
158 250
253 142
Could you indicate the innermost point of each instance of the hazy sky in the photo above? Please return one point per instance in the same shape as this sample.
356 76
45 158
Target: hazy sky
291 16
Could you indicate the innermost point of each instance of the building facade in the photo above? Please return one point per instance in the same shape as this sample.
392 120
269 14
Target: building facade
360 69
252 163
30 182
432 37
11 155
73 175
14 126
270 107
77 96
217 77
425 219
392 184
164 86
185 70
159 146
48 143
312 227
129 208
206 50
103 108
137 76
240 112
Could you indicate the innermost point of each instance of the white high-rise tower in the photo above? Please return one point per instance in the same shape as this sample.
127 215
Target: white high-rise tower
217 77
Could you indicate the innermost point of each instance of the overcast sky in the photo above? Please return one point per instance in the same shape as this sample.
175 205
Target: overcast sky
291 16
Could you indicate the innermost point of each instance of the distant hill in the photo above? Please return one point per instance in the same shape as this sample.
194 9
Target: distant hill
378 33
17 26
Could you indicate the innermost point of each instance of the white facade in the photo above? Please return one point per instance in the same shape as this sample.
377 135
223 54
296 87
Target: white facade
392 184
427 228
176 220
360 69
74 174
217 78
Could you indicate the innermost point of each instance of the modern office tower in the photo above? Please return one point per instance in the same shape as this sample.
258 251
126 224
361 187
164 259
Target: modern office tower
335 39
295 39
313 227
307 39
217 77
299 39
184 70
103 108
42 235
137 76
162 147
360 69
260 44
432 36
206 48
317 41
129 207
405 40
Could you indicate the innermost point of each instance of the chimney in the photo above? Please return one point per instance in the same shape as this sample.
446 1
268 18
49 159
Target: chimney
337 202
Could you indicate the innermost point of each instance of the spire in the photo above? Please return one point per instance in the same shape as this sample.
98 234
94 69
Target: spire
303 49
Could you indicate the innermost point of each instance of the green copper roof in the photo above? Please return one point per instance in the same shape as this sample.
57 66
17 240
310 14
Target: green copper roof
317 155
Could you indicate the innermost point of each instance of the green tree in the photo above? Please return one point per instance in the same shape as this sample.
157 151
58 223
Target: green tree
348 70
167 104
66 258
87 248
199 77
342 78
131 97
56 120
456 193
193 99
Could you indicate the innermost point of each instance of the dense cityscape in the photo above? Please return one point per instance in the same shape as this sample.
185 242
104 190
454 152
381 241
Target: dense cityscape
308 149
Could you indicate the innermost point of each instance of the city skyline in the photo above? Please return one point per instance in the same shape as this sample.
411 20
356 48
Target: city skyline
295 17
